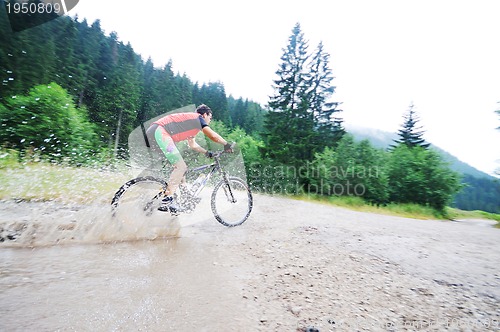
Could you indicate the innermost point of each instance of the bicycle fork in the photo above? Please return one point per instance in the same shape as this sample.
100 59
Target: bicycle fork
227 190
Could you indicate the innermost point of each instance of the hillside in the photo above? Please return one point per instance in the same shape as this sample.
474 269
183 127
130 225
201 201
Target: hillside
481 191
383 139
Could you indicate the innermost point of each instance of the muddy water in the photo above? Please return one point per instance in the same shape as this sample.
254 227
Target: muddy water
292 264
123 286
68 279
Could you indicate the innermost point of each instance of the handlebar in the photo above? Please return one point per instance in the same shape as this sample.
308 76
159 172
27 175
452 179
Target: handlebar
217 154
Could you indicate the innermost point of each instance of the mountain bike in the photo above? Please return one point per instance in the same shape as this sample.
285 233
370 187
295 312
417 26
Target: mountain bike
231 199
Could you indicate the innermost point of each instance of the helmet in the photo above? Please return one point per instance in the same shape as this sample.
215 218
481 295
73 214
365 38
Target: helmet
202 109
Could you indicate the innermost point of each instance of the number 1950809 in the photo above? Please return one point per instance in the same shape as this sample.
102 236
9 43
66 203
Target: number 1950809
34 8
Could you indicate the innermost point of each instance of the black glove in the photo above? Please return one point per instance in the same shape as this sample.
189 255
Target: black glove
228 147
209 154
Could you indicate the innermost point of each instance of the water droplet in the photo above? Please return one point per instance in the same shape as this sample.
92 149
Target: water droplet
24 52
14 97
23 140
37 99
9 71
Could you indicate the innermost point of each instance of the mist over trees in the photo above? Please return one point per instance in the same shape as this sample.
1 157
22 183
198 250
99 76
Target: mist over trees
70 93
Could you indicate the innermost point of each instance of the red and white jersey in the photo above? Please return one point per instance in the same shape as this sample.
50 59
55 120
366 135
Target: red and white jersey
181 126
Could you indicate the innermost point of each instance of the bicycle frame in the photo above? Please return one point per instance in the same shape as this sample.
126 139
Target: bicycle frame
189 196
215 166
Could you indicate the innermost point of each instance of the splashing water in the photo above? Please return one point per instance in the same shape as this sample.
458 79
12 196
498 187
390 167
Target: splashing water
34 224
45 205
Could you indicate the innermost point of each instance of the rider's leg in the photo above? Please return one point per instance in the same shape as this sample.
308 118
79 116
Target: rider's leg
166 144
176 177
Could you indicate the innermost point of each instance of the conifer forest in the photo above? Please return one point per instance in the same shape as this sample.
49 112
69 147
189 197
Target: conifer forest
72 94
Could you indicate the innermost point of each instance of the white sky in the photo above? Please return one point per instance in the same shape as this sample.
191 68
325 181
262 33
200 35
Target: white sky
442 55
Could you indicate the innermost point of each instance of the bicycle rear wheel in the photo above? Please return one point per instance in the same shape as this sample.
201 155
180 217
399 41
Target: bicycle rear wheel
139 196
231 202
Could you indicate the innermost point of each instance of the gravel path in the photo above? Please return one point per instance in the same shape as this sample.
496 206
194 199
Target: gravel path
297 266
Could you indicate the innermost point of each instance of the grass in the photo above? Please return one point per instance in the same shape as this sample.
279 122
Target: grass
413 211
41 181
460 214
46 182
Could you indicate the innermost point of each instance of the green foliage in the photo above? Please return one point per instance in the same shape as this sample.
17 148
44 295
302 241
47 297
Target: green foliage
248 145
247 115
417 175
46 121
486 199
418 211
352 169
105 78
213 95
103 90
9 158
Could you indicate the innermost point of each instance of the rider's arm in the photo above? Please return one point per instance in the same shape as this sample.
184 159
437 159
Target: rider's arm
214 136
195 146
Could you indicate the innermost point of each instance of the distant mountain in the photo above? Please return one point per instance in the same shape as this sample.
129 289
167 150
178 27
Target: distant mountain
383 139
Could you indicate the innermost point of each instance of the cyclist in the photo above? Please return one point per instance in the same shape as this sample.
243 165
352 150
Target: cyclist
173 128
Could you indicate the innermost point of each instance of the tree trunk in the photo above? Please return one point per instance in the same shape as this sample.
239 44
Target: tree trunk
117 135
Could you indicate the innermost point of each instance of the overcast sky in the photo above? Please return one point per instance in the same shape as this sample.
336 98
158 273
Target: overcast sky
441 55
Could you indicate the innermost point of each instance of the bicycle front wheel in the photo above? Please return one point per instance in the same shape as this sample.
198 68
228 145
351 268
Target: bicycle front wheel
232 202
139 196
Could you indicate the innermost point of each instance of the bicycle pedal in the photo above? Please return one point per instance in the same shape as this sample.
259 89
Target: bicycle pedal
175 211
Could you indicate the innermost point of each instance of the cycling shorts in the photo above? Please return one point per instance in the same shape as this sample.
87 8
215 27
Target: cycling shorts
164 142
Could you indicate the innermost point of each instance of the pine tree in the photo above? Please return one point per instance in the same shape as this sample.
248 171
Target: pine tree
167 90
411 135
213 94
289 125
237 111
301 119
328 125
291 83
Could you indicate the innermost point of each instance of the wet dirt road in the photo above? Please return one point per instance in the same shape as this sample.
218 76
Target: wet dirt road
161 286
292 265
